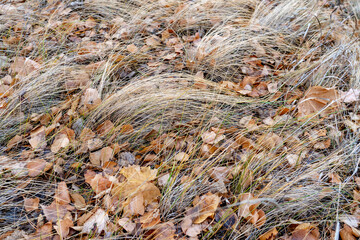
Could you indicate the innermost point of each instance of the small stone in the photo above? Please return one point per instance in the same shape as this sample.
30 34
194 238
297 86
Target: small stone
126 159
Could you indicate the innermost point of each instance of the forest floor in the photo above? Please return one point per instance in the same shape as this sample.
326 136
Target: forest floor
179 119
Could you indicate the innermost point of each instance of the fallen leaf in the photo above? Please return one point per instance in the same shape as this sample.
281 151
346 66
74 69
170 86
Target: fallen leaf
97 181
61 141
305 231
270 140
78 200
315 99
14 142
44 232
97 222
352 95
132 48
91 98
210 137
62 195
54 211
24 66
36 167
31 204
127 224
269 235
165 231
37 138
63 227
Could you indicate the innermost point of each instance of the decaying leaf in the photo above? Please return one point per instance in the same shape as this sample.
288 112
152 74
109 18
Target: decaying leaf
37 139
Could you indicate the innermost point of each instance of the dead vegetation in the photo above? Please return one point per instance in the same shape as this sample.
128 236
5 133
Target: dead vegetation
179 119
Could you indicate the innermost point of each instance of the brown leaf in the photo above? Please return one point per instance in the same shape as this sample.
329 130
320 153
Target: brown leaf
86 134
36 167
24 66
210 137
14 141
97 222
221 174
97 181
181 157
208 204
346 233
91 98
44 232
305 231
54 211
165 231
37 138
127 224
132 48
31 204
269 235
63 227
334 178
61 141
150 219
78 200
270 140
62 195
315 99
105 128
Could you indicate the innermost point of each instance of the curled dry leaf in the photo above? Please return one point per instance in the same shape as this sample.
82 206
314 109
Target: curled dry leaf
181 157
31 204
44 232
97 222
221 174
352 95
150 219
316 99
132 48
24 66
270 140
248 210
